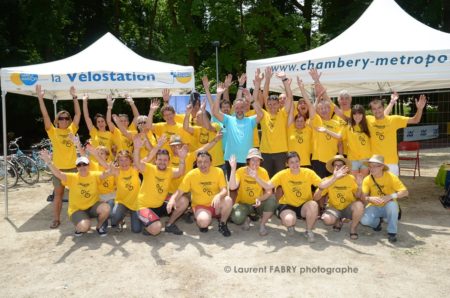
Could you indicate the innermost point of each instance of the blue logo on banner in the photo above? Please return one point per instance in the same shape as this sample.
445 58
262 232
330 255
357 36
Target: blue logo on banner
28 78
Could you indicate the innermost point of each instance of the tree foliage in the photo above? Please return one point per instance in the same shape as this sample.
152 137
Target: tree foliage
179 31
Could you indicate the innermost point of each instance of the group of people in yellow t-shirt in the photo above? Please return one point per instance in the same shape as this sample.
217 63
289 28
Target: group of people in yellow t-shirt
296 168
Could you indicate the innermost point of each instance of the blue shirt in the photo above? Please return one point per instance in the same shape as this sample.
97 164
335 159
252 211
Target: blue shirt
239 136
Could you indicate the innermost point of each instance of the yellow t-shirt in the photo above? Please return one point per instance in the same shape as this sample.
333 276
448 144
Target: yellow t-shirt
300 141
107 185
177 129
151 138
203 187
64 151
179 118
325 146
128 185
101 138
358 143
121 141
155 187
296 188
83 192
342 192
274 132
256 142
343 124
383 136
389 183
249 190
203 136
175 163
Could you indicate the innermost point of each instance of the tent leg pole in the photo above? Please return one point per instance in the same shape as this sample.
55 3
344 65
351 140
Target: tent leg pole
55 101
5 151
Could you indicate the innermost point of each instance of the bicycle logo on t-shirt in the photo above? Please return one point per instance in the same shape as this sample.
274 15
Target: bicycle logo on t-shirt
341 197
85 193
362 140
159 188
380 135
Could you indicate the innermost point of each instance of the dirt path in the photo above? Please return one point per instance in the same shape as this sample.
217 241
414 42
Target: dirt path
38 262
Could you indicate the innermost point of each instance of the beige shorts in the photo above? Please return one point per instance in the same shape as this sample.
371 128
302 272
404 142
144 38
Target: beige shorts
344 213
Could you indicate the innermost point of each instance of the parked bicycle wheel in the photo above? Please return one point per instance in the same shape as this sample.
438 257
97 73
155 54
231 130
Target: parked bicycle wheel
27 170
11 175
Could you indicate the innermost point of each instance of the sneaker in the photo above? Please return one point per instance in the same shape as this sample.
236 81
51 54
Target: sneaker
203 230
291 231
378 228
119 228
392 237
223 229
173 229
102 231
78 234
310 236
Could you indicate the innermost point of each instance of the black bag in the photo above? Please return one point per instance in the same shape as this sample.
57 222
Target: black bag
445 199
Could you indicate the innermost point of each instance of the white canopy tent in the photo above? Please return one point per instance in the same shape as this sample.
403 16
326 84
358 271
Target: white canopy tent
105 67
385 49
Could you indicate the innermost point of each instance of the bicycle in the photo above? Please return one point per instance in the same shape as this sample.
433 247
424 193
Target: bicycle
10 174
44 172
26 167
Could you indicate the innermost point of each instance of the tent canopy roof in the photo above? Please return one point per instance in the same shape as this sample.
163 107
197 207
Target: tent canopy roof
384 30
104 67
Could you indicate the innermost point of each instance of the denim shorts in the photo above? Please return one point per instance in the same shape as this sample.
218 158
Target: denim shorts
358 165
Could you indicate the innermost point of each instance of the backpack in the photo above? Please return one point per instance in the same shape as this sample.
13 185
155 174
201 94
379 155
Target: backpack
445 199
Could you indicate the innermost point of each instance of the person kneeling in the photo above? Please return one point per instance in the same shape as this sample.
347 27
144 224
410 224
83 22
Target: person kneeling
208 194
83 195
342 190
251 196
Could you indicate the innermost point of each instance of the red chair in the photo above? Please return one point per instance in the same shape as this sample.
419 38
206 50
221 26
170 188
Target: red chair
405 147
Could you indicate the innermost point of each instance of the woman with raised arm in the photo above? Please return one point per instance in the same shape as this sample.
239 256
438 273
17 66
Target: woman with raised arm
64 152
99 134
299 132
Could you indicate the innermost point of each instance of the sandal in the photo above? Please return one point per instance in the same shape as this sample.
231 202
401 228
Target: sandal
55 224
354 236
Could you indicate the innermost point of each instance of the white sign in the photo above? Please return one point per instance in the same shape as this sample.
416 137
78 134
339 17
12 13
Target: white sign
417 133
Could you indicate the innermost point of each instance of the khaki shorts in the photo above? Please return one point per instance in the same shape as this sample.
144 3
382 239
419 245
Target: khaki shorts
80 215
344 213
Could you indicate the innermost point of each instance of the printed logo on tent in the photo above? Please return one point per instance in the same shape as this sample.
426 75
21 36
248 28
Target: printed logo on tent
23 78
182 77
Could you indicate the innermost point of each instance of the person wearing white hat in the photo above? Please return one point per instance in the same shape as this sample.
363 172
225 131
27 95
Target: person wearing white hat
380 190
84 200
250 194
343 191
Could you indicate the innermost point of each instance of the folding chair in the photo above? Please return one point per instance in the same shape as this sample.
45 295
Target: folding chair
410 159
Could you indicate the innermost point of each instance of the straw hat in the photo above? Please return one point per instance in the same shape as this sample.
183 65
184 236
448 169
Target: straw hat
254 152
329 165
377 159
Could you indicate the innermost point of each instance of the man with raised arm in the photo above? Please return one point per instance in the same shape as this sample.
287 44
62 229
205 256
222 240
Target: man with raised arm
239 135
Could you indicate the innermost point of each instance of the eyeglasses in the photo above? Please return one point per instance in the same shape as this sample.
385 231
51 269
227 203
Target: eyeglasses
82 164
64 118
141 123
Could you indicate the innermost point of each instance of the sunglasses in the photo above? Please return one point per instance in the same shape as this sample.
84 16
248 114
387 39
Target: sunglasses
140 123
82 164
64 118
